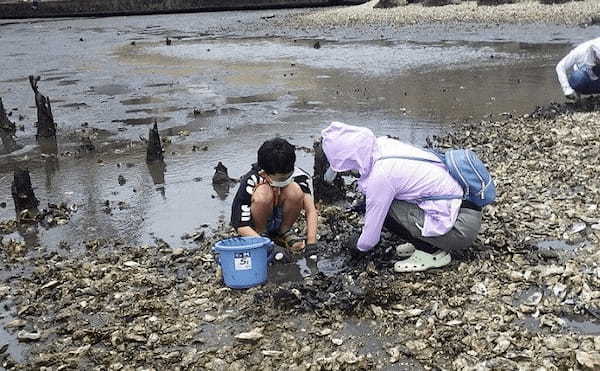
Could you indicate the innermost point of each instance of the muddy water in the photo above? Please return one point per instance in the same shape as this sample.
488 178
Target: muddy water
227 83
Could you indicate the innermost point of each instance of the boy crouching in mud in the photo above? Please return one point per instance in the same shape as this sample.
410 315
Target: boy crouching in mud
272 195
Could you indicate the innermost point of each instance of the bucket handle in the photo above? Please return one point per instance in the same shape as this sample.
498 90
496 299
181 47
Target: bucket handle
270 252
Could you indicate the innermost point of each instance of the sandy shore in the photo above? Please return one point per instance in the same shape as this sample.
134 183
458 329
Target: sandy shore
571 13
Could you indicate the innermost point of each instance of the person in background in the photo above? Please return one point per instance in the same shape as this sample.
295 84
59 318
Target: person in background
394 189
272 195
579 70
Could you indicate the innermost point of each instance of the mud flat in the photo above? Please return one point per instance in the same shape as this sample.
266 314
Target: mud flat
528 297
585 12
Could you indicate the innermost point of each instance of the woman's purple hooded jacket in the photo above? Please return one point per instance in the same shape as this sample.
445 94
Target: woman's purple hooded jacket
353 148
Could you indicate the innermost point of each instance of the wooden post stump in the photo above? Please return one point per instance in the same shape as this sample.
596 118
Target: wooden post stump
324 191
7 131
46 127
22 192
5 124
154 152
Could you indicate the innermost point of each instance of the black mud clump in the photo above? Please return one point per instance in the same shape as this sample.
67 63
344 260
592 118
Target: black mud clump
363 281
325 192
554 109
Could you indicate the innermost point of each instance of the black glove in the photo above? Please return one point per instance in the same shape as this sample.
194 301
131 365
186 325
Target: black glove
311 249
353 251
359 206
279 254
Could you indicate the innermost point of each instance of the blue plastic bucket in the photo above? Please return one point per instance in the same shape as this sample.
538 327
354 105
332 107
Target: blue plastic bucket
244 260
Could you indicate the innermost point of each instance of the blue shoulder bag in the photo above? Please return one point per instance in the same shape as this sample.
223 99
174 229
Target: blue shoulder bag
468 170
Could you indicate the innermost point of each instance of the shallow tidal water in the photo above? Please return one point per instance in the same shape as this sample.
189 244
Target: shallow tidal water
221 89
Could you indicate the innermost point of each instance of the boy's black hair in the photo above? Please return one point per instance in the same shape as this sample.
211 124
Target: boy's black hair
276 156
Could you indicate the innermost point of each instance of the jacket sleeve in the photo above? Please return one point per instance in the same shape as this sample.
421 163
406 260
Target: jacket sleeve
379 197
562 68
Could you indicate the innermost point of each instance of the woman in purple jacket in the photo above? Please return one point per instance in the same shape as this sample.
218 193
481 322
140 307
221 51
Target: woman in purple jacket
394 188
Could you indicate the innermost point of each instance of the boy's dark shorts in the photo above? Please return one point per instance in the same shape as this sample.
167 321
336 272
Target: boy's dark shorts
274 222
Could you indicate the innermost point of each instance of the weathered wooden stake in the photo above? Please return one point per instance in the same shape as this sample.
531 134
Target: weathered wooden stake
324 191
5 123
221 181
7 131
46 127
154 152
22 192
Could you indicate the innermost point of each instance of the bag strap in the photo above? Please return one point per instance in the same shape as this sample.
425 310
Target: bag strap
428 198
411 158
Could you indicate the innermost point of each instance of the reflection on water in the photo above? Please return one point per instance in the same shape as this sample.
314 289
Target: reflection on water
157 172
15 350
48 147
222 189
29 233
304 267
9 143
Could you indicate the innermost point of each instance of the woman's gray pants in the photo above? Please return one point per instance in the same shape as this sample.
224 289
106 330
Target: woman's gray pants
456 241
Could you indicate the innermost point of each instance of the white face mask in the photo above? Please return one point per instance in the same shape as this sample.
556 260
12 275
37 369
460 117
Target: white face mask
282 183
329 175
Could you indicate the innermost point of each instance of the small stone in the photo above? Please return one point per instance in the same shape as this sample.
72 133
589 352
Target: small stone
337 341
271 353
177 251
253 335
589 360
377 310
209 318
28 336
136 338
348 358
16 323
577 227
50 285
325 332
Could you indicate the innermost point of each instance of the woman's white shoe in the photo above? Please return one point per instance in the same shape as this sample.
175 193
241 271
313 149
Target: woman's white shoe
420 261
405 250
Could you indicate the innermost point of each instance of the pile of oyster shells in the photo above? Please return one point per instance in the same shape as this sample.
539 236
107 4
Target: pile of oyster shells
583 12
52 216
514 304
